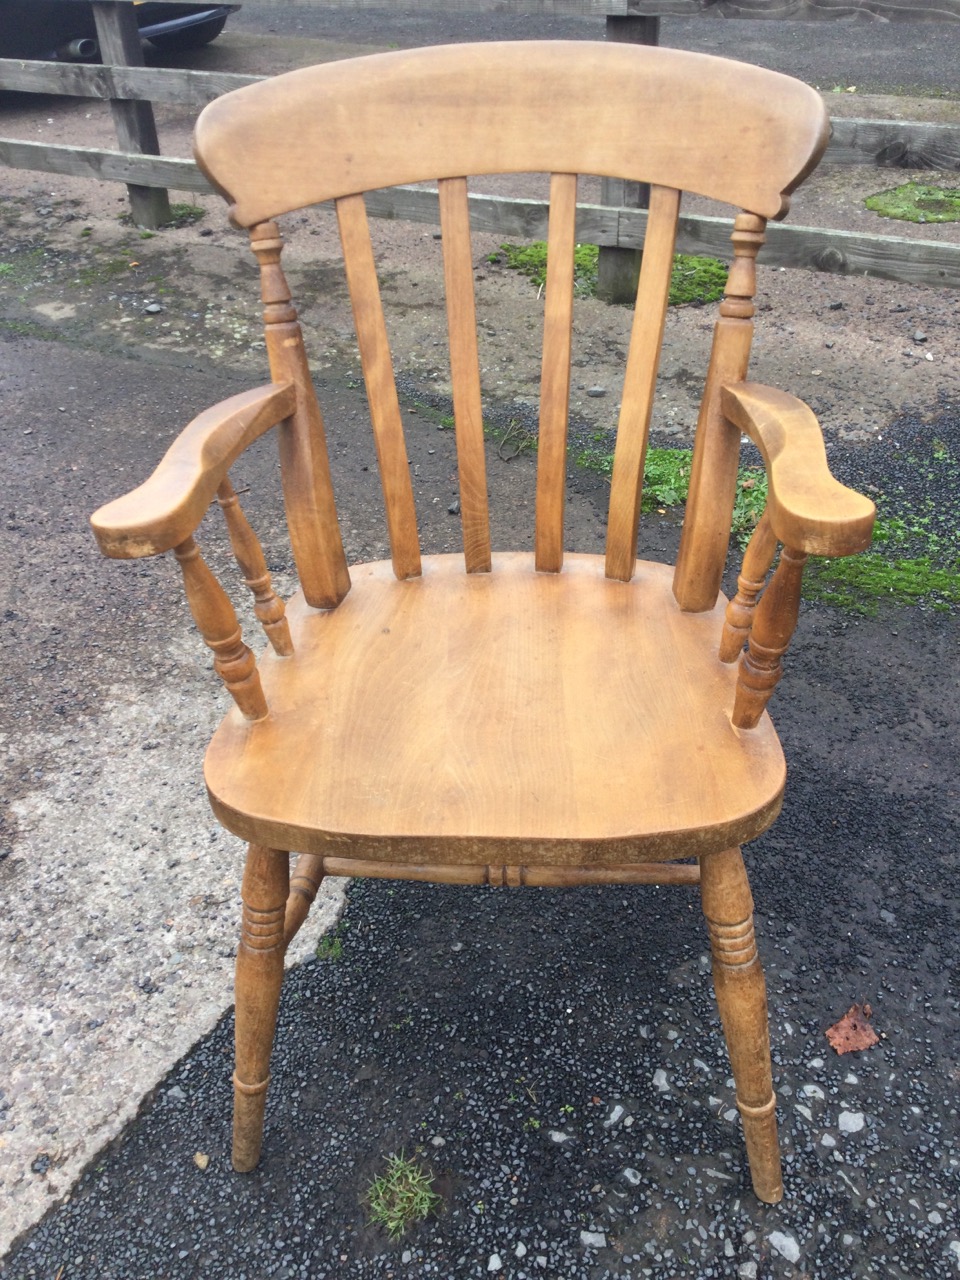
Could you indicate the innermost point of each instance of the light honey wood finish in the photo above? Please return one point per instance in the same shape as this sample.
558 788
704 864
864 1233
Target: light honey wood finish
259 978
545 721
640 383
555 374
304 461
304 886
757 560
514 876
465 372
562 718
381 388
546 106
774 622
217 622
253 565
808 508
742 999
168 507
716 450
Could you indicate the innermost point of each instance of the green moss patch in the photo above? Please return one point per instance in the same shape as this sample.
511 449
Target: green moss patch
915 556
917 202
695 279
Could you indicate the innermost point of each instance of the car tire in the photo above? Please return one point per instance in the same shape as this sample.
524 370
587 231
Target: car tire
191 38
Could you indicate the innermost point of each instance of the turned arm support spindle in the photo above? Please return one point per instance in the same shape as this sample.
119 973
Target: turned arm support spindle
217 622
253 565
773 626
757 560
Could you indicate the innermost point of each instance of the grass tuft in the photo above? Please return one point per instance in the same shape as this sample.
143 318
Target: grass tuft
695 279
402 1196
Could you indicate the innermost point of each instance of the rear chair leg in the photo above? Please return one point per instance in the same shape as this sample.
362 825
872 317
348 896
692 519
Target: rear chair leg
742 999
259 978
304 887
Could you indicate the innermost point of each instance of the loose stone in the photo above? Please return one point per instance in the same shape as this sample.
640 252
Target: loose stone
593 1239
785 1245
495 1263
851 1121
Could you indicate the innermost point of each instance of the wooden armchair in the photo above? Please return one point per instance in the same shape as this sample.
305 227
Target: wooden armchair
545 719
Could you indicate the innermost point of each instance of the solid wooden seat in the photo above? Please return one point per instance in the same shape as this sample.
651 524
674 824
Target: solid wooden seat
548 721
551 718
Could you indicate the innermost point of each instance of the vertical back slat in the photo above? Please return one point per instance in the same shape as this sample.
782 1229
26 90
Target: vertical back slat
465 372
381 387
640 381
555 374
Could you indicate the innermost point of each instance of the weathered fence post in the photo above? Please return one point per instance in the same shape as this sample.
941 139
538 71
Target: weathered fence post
119 39
619 269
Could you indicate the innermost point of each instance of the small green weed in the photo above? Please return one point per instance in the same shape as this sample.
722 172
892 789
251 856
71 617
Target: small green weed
182 215
750 501
694 278
6 268
27 329
330 946
402 1196
917 202
102 271
666 481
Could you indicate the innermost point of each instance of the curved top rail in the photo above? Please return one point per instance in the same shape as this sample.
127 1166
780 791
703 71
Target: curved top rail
726 130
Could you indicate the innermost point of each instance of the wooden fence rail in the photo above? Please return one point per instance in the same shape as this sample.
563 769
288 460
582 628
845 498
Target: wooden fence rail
881 143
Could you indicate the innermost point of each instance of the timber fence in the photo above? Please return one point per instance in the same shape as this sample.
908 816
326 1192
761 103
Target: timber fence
132 88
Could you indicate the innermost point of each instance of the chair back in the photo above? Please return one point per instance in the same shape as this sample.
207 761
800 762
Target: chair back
675 120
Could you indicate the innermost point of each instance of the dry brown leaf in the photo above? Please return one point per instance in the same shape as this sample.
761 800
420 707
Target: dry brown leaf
201 1160
853 1031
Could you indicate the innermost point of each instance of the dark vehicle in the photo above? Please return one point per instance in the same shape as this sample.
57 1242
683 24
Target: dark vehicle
65 29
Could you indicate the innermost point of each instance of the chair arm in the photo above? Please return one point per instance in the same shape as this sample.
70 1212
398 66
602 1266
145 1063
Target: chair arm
809 509
168 507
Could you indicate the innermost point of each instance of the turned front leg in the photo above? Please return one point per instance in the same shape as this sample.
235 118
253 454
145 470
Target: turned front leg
259 978
742 1000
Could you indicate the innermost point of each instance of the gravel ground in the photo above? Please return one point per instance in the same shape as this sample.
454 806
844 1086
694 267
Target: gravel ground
498 1033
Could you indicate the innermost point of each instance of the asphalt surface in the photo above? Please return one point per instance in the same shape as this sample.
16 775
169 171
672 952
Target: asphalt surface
876 57
554 1058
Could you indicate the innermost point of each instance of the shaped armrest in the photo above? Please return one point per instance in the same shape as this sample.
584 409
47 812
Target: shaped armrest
169 506
809 509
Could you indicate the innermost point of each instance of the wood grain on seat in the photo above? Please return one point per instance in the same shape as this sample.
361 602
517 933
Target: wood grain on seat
527 716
